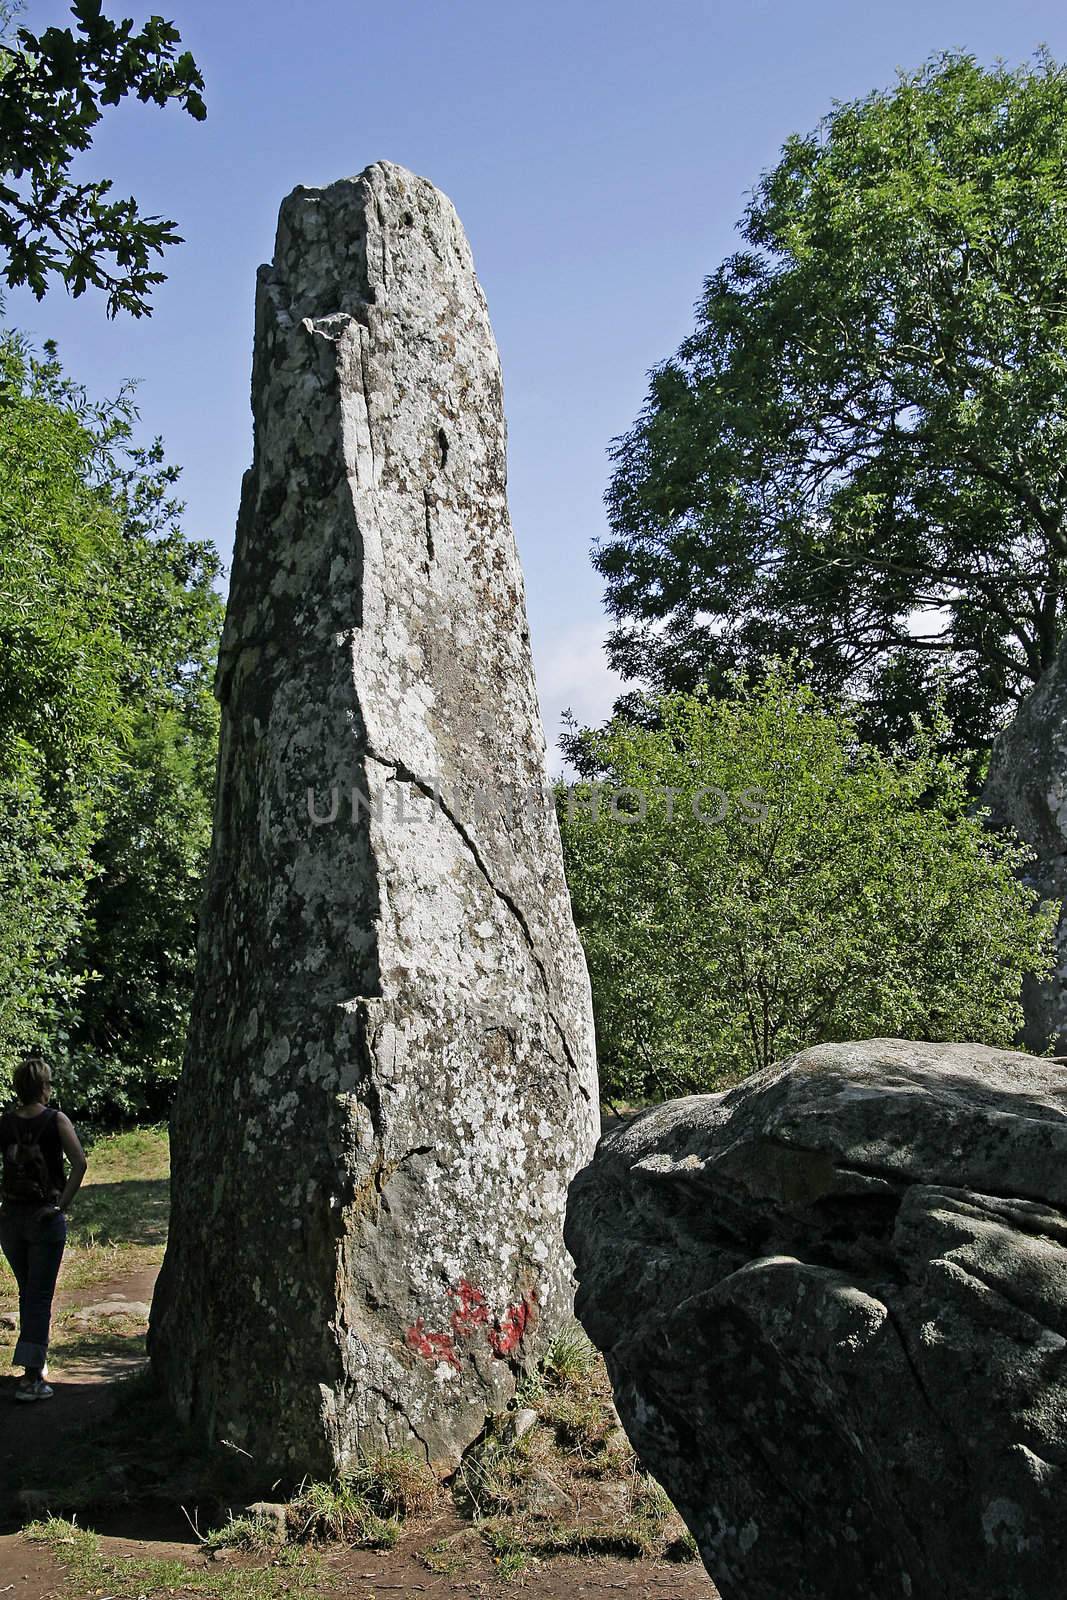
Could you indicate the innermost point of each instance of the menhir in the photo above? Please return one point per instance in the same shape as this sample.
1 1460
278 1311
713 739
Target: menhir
390 1076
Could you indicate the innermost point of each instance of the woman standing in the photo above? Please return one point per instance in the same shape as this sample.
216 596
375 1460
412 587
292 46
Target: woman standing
34 1139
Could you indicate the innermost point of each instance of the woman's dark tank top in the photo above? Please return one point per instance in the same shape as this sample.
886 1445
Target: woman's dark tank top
46 1132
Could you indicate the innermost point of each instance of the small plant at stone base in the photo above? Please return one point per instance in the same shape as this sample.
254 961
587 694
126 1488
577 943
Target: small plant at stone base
242 1533
570 1484
338 1513
650 1510
571 1354
396 1483
576 1397
367 1504
495 1474
684 1548
615 1460
648 1498
581 1420
623 1538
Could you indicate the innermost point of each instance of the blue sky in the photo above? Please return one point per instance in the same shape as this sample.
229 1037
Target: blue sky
599 154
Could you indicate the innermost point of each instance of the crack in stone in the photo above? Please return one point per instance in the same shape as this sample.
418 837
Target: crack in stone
405 775
384 240
429 528
365 390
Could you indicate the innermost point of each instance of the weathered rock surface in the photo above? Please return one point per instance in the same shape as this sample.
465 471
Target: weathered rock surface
135 1310
833 1304
1027 790
390 1077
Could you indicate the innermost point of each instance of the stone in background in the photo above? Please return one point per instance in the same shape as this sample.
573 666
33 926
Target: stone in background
1027 790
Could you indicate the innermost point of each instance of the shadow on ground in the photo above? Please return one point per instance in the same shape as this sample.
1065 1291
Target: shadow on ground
134 1211
109 1451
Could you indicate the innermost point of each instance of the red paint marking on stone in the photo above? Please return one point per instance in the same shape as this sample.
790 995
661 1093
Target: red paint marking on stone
433 1347
471 1313
513 1325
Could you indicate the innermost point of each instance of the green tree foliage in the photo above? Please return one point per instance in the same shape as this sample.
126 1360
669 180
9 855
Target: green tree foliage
53 88
61 714
108 626
45 865
139 941
750 878
861 451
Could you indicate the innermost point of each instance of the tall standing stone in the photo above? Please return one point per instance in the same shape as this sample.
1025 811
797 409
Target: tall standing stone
390 1074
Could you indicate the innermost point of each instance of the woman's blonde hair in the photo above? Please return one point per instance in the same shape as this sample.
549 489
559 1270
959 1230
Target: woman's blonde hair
31 1078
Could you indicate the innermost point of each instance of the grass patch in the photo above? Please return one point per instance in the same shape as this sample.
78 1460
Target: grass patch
511 1554
242 1533
496 1477
448 1556
571 1355
88 1571
626 1538
337 1513
395 1483
136 1153
369 1504
366 1507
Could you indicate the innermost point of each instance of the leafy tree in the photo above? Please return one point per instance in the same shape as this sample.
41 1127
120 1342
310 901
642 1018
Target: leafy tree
861 451
109 621
137 948
53 88
45 866
61 714
139 944
750 878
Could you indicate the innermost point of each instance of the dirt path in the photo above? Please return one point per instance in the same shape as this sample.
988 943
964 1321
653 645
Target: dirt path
33 1435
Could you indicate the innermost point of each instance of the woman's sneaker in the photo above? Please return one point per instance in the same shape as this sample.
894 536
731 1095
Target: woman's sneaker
33 1389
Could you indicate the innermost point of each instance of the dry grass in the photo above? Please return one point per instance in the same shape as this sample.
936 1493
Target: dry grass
368 1505
572 1484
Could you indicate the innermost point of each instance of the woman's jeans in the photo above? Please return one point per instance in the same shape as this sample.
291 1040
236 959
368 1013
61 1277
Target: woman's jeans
34 1247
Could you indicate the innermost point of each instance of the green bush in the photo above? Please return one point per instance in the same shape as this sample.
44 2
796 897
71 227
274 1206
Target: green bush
749 878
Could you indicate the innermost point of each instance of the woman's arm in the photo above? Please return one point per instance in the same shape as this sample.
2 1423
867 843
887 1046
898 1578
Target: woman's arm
74 1153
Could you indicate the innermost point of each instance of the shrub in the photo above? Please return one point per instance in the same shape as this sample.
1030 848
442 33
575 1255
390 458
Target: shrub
749 878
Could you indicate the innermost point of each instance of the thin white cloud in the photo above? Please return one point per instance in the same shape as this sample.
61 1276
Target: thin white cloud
573 675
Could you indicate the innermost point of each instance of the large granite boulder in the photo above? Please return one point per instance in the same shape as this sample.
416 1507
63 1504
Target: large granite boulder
1026 790
390 1076
833 1304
